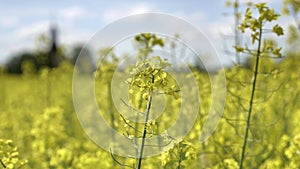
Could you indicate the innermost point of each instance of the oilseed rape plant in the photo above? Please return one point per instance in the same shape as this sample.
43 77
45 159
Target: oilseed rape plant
148 109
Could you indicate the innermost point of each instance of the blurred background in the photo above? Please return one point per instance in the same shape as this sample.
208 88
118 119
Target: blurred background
35 30
41 40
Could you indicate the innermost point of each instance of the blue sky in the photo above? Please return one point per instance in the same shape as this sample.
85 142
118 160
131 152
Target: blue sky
22 21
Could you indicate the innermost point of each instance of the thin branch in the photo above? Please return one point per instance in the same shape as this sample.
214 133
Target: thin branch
132 108
118 162
2 163
167 93
145 129
251 101
235 95
254 136
236 30
242 83
135 129
125 121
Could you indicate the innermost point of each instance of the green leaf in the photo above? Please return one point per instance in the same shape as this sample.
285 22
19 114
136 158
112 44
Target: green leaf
261 7
238 48
277 52
248 14
278 30
228 3
254 37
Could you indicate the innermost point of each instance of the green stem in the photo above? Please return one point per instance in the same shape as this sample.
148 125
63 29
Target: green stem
112 116
2 163
255 73
137 126
145 129
236 30
179 160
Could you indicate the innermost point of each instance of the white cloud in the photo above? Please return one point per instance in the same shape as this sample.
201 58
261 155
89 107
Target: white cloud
122 11
32 30
69 36
194 18
74 12
9 21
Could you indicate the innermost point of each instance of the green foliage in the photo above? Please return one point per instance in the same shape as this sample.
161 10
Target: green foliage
256 27
237 19
145 43
149 74
229 163
45 127
293 35
255 24
107 66
149 78
9 155
59 142
264 47
48 131
291 6
144 72
180 156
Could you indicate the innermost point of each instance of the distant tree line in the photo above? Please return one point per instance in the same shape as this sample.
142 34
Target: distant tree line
49 54
37 60
41 59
